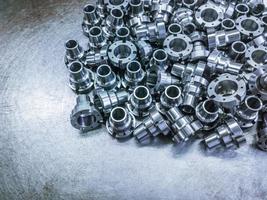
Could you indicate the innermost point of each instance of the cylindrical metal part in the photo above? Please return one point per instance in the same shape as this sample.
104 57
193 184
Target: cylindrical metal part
237 51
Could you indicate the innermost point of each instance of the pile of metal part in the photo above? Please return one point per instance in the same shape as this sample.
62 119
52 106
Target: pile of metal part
184 69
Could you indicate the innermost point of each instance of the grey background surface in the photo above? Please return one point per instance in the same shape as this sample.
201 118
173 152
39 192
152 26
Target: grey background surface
43 157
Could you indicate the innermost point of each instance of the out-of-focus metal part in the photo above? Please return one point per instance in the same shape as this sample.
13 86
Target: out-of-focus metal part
140 102
227 7
120 53
264 22
193 90
208 16
218 63
237 51
256 57
145 51
101 8
208 113
157 80
183 127
113 22
134 75
246 114
241 9
258 83
228 24
175 28
262 133
106 79
137 16
171 97
74 52
257 7
159 60
199 51
117 4
90 18
227 90
153 32
249 26
258 41
178 47
120 123
222 38
184 72
96 57
80 79
123 33
84 115
96 38
106 100
161 11
227 135
153 125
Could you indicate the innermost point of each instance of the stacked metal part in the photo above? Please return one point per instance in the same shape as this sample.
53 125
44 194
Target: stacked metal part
185 69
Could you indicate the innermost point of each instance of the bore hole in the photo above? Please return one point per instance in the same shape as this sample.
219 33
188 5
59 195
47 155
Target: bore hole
264 19
118 114
259 56
70 44
249 25
178 45
117 13
86 120
209 15
75 67
189 2
188 109
160 54
172 91
94 31
242 8
226 88
135 2
141 92
122 32
239 47
103 70
89 8
210 106
175 28
228 23
254 103
122 51
134 66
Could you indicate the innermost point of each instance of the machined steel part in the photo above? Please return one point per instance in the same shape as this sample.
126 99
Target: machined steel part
175 28
123 33
241 9
74 52
227 135
247 113
178 47
227 90
106 100
101 8
140 102
145 51
237 51
120 53
153 125
161 11
262 133
134 75
90 19
96 38
84 115
228 24
256 57
171 97
120 123
116 4
96 57
106 79
137 15
80 79
257 7
258 83
199 51
208 16
191 3
159 60
183 126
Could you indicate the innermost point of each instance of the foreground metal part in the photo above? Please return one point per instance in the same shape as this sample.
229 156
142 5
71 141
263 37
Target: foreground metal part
96 38
227 135
256 57
159 60
90 18
262 133
145 51
85 116
121 123
237 51
74 52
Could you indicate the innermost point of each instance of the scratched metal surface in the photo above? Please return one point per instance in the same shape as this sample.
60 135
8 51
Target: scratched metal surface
43 157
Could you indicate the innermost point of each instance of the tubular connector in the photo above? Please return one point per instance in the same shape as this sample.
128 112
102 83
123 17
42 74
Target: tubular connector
258 83
151 126
161 11
227 135
74 52
121 123
175 28
113 22
96 38
80 79
133 76
159 60
241 9
97 57
136 14
151 31
222 38
247 113
257 7
256 57
140 102
84 115
183 127
208 114
237 51
228 24
117 4
192 4
171 97
90 18
106 79
262 133
199 51
145 50
218 63
123 33
101 8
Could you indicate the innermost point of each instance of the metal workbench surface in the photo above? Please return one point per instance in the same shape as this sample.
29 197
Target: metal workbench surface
43 157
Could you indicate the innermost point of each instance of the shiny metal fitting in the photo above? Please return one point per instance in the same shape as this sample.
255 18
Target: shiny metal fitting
227 135
117 4
137 16
159 60
80 79
101 8
145 51
123 33
161 11
96 38
175 28
237 51
134 75
74 52
228 24
192 4
120 123
241 9
96 57
106 100
84 115
199 51
106 79
153 125
256 57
